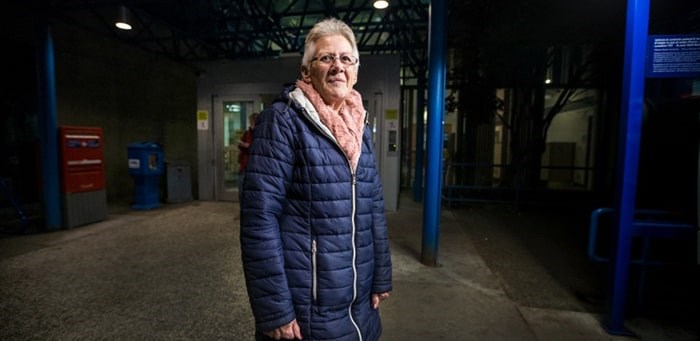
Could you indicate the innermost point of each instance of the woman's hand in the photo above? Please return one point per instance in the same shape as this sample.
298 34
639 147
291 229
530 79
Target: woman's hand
289 331
378 298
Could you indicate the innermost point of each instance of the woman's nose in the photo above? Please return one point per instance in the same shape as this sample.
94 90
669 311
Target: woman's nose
337 66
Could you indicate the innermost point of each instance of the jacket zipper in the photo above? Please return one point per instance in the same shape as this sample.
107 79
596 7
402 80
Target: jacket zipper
314 278
354 257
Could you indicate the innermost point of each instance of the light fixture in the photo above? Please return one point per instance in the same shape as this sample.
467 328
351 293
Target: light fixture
123 19
380 4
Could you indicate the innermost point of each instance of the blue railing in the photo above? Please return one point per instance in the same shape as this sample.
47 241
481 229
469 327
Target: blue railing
485 186
646 226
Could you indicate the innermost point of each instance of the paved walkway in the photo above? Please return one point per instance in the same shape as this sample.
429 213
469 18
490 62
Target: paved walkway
174 273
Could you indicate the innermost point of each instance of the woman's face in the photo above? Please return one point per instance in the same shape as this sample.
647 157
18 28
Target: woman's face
333 81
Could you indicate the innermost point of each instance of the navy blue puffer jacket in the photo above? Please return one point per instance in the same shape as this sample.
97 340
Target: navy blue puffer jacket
313 235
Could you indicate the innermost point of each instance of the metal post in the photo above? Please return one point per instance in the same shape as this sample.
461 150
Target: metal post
436 105
420 130
48 127
630 129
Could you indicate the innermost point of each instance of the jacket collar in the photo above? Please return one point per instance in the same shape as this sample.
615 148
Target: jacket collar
308 110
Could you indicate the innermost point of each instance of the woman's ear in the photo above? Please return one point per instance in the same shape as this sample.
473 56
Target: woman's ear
305 74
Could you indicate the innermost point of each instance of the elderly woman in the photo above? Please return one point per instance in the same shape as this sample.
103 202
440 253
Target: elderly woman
314 239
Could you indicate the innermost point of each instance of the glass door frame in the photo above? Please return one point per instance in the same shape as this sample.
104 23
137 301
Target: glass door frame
222 152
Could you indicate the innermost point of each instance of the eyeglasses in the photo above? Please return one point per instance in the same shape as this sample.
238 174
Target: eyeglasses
329 59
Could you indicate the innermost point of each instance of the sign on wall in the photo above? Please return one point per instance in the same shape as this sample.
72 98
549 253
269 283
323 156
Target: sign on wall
202 120
673 56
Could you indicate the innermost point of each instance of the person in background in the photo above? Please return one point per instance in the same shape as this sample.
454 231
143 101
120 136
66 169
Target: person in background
313 234
243 146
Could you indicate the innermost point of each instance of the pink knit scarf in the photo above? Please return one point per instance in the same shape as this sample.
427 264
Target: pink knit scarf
347 125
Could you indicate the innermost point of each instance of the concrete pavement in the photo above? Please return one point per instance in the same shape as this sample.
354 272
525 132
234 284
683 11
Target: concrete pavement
175 273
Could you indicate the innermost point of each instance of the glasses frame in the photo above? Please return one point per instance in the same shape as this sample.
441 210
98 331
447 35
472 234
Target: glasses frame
324 59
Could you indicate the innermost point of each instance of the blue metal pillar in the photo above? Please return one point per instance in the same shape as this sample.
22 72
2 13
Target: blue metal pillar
630 130
420 132
48 127
436 105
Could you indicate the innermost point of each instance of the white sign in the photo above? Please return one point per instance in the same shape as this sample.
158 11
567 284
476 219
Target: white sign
134 163
202 120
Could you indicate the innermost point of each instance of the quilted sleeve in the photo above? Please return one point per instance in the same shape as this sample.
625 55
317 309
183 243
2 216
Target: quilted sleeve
268 175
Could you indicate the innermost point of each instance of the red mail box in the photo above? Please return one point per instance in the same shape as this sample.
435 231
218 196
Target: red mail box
82 159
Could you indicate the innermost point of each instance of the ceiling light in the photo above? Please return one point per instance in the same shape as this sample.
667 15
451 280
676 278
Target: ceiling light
123 19
380 4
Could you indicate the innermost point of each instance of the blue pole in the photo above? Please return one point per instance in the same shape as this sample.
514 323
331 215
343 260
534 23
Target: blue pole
48 127
436 105
630 129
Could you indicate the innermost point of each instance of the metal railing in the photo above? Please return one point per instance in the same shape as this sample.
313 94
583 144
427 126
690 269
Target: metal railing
647 225
483 182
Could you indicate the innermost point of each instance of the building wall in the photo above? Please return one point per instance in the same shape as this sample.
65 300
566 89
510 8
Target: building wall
133 95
